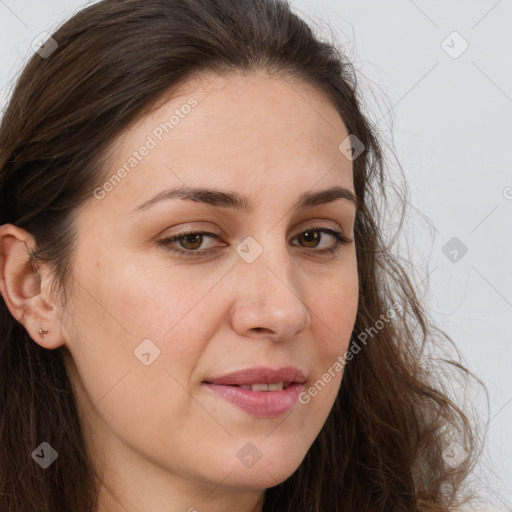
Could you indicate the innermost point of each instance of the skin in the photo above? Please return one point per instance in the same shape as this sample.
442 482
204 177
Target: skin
160 439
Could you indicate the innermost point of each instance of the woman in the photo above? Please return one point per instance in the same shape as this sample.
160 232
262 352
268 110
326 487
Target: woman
199 309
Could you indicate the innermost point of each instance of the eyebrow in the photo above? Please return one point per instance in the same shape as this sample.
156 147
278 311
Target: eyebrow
236 201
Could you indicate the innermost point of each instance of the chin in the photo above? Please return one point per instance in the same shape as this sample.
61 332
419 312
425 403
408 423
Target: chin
258 478
270 470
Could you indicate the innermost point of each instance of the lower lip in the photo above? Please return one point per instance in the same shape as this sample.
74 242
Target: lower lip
266 404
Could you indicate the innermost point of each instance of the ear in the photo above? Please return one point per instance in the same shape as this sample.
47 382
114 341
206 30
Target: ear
26 290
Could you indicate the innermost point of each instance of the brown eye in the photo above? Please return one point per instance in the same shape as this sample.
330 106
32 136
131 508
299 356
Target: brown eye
191 242
310 237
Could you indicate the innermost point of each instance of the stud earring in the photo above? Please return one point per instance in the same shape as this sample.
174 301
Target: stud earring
42 332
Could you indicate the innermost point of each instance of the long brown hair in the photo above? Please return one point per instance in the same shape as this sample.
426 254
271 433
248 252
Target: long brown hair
383 445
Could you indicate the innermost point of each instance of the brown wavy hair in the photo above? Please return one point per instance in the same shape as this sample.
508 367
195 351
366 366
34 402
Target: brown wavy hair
381 448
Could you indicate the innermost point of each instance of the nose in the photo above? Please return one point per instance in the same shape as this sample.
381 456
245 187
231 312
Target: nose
268 302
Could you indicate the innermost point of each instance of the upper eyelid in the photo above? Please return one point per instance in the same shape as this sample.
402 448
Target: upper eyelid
187 232
317 224
324 229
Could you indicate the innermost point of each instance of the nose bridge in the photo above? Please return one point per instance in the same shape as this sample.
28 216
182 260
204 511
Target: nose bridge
268 299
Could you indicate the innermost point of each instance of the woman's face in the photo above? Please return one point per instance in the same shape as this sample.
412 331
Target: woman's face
153 329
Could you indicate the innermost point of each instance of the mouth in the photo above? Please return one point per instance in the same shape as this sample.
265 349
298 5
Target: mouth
261 387
260 391
274 386
261 378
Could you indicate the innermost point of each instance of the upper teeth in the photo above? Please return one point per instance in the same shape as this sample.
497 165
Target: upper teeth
278 386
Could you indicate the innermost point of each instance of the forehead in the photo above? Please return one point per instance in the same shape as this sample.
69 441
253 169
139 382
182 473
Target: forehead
254 131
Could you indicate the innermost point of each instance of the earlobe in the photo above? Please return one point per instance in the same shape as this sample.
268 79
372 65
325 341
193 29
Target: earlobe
20 286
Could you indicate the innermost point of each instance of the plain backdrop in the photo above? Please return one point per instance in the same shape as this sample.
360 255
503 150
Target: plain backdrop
436 77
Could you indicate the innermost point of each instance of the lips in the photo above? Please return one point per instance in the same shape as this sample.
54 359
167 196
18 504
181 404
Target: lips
260 391
260 375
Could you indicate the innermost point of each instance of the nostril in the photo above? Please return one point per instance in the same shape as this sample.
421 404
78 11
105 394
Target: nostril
261 329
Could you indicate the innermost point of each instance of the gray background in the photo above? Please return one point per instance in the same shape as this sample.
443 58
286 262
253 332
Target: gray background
449 119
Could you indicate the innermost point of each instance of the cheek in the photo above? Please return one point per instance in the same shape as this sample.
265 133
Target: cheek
115 308
174 312
110 323
334 310
147 299
333 316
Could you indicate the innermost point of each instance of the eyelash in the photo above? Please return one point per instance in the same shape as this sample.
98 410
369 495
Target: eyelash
341 240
